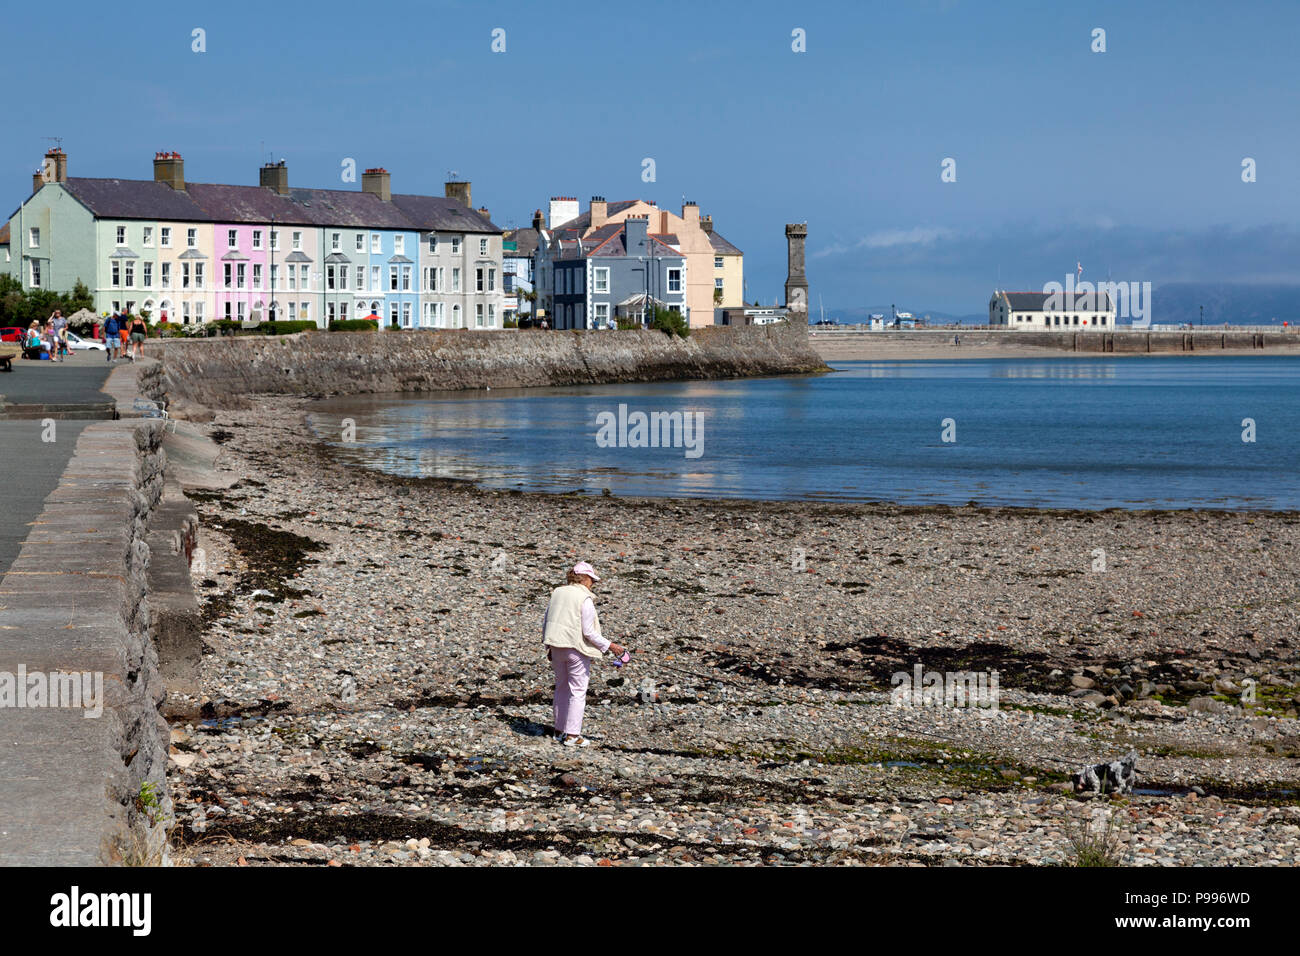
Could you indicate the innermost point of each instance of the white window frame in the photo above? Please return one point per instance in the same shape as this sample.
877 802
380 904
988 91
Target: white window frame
483 247
121 235
257 275
147 239
257 238
600 279
361 242
165 237
297 240
336 241
674 280
191 238
376 243
232 239
399 245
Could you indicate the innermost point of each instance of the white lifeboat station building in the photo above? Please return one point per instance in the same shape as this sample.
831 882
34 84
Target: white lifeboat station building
1037 311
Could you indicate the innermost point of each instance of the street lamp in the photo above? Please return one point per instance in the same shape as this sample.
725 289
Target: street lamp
1202 316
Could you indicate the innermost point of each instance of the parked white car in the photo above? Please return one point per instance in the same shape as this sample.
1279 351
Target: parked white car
75 342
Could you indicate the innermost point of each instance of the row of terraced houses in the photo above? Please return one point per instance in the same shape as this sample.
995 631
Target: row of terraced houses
194 252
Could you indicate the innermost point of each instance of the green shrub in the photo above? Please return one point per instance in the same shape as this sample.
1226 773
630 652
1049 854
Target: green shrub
671 323
281 327
354 325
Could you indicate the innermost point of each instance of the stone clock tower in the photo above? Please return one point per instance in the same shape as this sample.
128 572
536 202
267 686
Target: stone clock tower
796 283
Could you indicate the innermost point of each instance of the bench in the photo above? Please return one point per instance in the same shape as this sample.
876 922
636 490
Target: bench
7 355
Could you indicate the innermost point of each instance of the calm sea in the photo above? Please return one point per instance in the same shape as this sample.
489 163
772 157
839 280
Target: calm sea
1161 432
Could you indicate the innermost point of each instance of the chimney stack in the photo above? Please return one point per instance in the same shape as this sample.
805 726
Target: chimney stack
169 168
56 166
635 229
563 209
599 211
483 211
38 180
538 222
275 177
458 191
707 225
378 182
691 212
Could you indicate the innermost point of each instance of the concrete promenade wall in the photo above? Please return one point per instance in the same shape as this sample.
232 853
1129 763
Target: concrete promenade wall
223 372
1121 342
72 788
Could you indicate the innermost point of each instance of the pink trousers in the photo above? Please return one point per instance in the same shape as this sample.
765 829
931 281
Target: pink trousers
572 672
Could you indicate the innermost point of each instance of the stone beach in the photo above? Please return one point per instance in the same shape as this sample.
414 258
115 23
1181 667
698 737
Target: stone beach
373 689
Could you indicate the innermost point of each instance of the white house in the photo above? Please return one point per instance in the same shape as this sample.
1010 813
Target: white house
1039 311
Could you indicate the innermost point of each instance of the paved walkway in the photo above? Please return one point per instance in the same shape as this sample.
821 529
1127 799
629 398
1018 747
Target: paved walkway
79 379
30 467
29 470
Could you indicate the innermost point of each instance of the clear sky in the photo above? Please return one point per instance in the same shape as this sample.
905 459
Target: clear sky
1128 161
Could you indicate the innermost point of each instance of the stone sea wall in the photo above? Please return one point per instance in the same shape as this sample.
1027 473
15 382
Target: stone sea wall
222 373
79 790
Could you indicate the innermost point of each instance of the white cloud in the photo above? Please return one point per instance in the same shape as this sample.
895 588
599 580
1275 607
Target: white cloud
889 239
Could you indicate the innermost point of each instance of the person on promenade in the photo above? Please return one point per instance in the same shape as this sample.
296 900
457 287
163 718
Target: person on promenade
60 325
32 346
112 341
123 333
571 635
138 332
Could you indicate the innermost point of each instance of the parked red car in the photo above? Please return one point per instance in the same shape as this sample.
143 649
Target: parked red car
11 334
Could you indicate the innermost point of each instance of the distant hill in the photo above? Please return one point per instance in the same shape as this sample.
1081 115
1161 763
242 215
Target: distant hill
1172 303
1234 303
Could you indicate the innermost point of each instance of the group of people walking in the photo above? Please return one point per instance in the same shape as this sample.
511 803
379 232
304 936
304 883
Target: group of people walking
123 336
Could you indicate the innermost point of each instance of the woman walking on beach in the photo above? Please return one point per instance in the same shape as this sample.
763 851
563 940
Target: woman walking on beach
571 634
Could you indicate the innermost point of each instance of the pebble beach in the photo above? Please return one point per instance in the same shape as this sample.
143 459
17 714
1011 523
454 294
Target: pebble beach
373 689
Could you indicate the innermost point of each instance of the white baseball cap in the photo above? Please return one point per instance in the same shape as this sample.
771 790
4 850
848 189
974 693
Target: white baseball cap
582 567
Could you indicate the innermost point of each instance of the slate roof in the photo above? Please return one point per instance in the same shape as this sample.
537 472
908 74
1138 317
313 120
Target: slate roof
608 240
219 203
440 213
583 221
722 247
525 241
1037 302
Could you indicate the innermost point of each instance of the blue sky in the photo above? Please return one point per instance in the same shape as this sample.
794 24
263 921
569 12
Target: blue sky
1128 160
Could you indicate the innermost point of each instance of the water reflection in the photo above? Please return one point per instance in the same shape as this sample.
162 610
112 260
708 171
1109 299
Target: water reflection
1169 435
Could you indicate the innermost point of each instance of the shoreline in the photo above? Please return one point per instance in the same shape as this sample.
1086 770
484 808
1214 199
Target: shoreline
385 690
831 351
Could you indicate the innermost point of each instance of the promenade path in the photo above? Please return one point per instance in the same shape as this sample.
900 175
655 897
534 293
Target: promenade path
30 468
